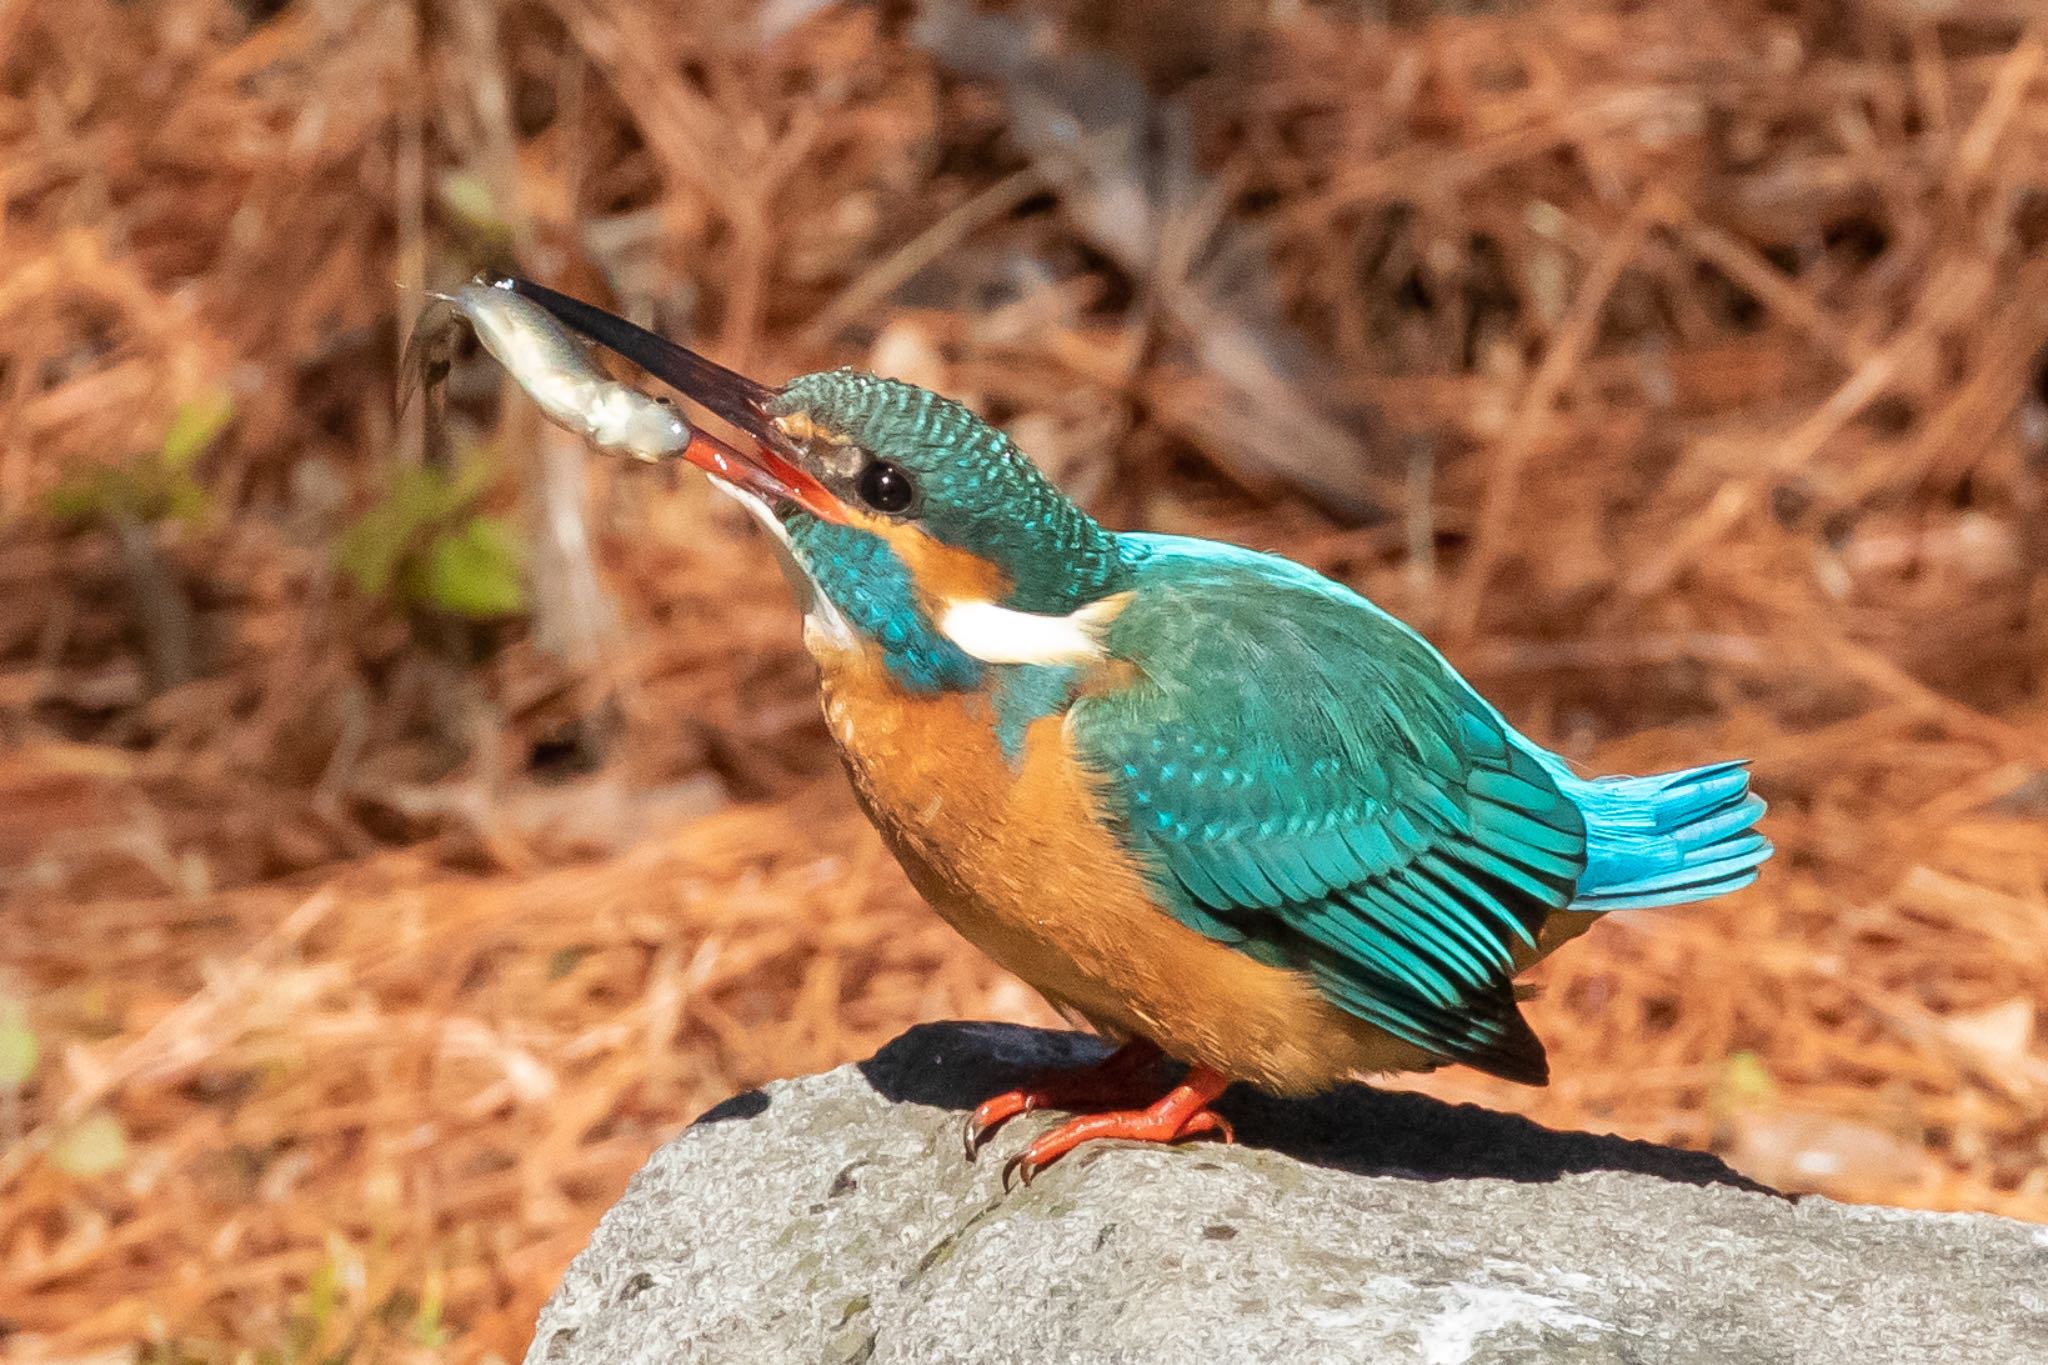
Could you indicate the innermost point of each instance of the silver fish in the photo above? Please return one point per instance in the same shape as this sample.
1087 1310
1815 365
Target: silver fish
554 369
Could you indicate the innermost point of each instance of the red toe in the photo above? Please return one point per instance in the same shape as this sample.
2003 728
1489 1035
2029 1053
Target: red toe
993 1112
1182 1113
1113 1080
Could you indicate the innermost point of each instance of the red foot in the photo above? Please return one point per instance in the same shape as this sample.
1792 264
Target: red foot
1183 1113
1116 1079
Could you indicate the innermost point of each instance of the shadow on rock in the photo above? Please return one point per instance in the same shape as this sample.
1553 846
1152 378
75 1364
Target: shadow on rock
1354 1128
745 1105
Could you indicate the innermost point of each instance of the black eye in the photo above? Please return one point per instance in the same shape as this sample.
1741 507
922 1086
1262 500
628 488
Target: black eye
886 487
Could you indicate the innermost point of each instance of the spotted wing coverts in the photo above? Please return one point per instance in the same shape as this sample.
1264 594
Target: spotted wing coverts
1311 784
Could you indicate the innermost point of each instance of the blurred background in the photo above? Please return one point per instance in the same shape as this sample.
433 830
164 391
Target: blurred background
409 825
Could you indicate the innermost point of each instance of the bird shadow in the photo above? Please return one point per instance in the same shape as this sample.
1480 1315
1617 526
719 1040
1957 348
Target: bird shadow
1354 1128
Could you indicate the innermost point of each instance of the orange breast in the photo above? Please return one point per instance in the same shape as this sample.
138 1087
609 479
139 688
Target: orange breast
1016 856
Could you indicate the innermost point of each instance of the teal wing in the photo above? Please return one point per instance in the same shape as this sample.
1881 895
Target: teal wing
1310 783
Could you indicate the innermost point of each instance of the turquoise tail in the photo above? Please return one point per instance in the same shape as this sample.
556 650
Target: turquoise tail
1667 839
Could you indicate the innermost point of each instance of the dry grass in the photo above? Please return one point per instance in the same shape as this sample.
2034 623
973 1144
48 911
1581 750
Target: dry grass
1680 371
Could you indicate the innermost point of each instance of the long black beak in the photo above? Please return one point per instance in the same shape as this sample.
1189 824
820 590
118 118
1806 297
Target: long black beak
770 472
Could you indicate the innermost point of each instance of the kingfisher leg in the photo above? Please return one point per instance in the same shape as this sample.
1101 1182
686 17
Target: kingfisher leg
1182 1113
1116 1079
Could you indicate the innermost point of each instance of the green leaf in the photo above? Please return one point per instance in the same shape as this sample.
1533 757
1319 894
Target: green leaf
421 537
373 547
78 498
195 426
473 570
92 1146
470 481
185 501
19 1050
427 1328
323 1292
423 495
104 491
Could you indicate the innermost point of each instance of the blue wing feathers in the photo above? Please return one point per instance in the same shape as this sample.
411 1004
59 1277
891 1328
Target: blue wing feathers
1522 882
1539 844
1498 1040
1330 857
1373 847
1357 933
1204 888
1458 888
1448 921
1313 785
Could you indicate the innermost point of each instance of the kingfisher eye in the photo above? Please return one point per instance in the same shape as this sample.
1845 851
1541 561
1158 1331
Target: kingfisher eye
886 487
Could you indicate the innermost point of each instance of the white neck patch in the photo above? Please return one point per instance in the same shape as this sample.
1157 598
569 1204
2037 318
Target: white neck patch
992 634
1000 635
821 614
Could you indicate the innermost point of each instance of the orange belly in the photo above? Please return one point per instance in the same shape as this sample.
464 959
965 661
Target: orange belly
1015 856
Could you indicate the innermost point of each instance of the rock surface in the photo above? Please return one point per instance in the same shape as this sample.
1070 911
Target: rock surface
832 1218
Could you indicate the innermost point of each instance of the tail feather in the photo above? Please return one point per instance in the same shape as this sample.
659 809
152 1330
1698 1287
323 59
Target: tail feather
1668 839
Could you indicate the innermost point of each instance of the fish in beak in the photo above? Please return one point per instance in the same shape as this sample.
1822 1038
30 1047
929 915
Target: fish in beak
769 471
554 368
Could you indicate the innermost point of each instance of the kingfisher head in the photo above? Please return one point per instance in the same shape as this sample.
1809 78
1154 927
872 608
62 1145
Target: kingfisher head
907 523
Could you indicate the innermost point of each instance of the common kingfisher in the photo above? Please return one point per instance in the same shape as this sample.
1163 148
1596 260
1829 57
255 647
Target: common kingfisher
1204 799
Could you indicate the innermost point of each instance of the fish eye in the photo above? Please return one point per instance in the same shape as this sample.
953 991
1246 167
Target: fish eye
885 486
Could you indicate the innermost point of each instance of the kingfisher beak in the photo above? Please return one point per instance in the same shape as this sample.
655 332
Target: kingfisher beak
770 472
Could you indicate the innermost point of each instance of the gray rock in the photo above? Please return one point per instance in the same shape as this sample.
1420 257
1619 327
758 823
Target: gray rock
832 1218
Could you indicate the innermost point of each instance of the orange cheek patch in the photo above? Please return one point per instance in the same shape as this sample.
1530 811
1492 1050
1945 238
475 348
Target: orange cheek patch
943 573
